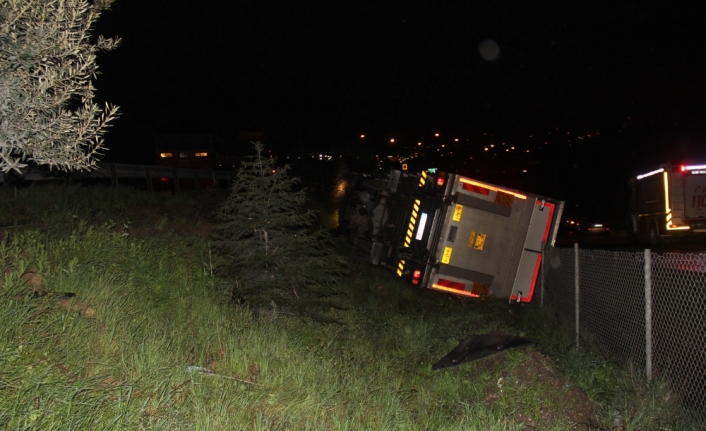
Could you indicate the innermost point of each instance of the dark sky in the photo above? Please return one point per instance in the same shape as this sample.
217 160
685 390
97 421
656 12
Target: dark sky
321 74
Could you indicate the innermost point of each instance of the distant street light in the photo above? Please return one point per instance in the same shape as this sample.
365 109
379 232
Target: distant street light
392 140
362 136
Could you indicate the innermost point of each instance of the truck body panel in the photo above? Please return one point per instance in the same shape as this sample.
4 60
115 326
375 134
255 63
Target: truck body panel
453 233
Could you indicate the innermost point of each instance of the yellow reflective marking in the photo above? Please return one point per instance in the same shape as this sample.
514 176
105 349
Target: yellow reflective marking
446 258
423 179
457 212
480 242
472 238
400 267
412 222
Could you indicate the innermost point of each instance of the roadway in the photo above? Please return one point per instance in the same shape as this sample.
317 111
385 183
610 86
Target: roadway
618 241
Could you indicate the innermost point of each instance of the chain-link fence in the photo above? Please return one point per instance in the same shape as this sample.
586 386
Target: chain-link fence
645 308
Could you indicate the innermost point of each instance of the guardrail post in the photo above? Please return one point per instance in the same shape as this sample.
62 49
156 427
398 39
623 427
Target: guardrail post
148 175
176 180
576 285
113 175
648 314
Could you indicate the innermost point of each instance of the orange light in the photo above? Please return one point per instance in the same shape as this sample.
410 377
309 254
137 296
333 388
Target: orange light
165 155
479 184
456 291
203 154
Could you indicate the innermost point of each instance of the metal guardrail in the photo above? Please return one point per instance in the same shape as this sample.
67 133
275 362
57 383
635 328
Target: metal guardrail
116 171
645 308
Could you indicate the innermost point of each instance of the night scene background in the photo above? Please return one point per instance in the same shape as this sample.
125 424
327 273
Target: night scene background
541 96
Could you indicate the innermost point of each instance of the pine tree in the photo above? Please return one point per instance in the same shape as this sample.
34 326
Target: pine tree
271 251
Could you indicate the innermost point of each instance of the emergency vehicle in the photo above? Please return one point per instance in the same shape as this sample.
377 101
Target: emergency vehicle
453 233
669 200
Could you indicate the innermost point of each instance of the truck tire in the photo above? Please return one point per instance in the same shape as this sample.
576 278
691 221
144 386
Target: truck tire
653 233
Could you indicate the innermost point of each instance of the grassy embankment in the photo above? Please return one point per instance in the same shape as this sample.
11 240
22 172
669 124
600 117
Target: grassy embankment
122 353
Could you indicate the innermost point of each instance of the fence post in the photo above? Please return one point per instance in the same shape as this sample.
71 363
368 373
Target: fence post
648 314
576 285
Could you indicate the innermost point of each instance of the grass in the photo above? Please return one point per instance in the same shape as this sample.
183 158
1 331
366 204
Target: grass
131 349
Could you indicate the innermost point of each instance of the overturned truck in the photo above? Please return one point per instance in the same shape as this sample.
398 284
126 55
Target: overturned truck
452 233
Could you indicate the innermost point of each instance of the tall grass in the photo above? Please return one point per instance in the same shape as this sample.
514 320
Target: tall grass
150 343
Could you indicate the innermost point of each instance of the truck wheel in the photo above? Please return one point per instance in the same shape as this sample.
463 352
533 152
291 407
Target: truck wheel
654 233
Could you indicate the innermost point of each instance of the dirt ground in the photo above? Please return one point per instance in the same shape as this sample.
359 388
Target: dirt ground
562 392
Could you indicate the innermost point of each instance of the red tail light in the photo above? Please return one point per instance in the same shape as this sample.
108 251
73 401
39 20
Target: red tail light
440 181
416 275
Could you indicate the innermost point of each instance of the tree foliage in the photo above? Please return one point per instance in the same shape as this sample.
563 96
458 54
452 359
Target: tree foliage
47 69
272 252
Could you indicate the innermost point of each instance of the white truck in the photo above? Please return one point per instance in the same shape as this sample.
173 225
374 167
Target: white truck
667 201
452 233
